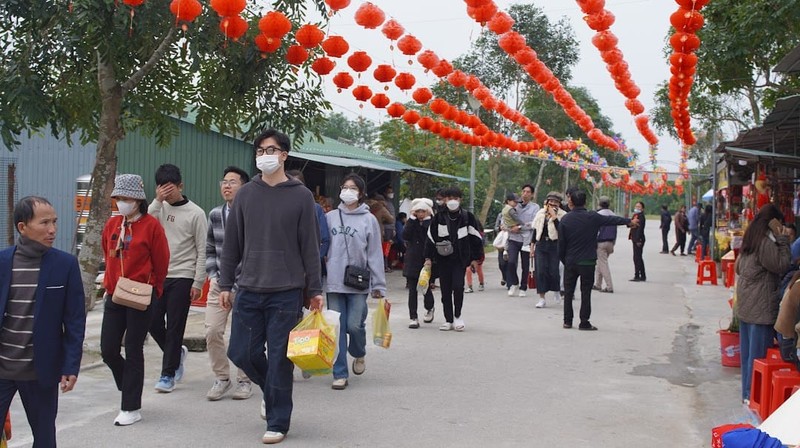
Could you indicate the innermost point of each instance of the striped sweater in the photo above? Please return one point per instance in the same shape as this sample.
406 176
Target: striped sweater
16 335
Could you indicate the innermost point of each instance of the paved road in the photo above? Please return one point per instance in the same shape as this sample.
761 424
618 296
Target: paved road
651 376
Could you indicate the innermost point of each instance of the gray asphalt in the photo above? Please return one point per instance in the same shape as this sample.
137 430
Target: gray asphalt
651 376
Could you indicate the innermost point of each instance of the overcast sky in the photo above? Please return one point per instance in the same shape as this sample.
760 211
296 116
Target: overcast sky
444 27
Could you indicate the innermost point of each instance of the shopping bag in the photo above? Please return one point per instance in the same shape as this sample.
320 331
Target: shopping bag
381 334
424 278
313 342
717 432
531 280
500 240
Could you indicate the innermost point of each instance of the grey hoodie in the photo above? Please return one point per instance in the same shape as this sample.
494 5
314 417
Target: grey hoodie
363 234
273 232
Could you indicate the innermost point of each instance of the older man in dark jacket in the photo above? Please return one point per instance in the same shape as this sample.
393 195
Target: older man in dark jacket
577 249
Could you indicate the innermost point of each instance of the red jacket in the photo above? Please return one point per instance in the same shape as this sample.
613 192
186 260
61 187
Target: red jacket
145 254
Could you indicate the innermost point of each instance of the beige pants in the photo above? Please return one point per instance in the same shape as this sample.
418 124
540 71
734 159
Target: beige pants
604 249
216 321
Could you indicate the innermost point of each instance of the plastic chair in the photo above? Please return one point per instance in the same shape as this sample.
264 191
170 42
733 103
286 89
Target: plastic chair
730 274
784 384
707 272
761 383
698 253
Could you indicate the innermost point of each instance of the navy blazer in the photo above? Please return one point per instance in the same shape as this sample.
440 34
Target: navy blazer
59 316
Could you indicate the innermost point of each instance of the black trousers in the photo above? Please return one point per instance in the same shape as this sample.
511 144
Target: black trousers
118 322
664 240
571 275
451 278
41 406
502 264
412 297
174 306
638 261
515 252
546 263
680 242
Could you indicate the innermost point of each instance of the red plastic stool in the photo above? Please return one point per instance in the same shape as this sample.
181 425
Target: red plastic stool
698 253
707 272
784 384
761 383
730 275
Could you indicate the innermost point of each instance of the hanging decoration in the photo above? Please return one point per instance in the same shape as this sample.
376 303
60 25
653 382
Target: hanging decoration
380 100
343 80
359 61
409 46
392 30
369 16
501 23
362 93
267 44
336 5
335 46
233 27
484 13
185 10
428 59
384 73
296 55
323 66
274 24
422 95
132 4
404 81
396 110
309 36
228 8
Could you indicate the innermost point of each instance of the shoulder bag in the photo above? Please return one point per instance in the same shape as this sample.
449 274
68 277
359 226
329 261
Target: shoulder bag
354 276
130 293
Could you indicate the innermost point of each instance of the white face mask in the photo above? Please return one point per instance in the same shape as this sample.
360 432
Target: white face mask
349 197
439 202
637 210
453 204
390 195
126 208
268 164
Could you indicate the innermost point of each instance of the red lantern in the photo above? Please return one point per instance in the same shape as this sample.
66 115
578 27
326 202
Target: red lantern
501 23
384 73
362 93
323 66
591 6
233 27
422 95
343 80
687 20
425 123
134 3
439 106
335 46
476 3
428 59
228 8
472 83
309 36
600 21
404 81
457 78
525 56
185 10
336 5
267 44
359 61
611 57
692 4
369 16
411 116
396 110
605 41
684 42
634 106
409 45
296 55
392 29
512 42
443 68
483 14
274 24
379 100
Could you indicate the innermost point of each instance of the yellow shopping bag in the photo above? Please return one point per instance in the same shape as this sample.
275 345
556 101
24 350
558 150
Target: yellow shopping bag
424 278
312 344
381 334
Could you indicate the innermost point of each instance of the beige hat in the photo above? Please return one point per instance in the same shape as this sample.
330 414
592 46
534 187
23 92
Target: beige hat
422 204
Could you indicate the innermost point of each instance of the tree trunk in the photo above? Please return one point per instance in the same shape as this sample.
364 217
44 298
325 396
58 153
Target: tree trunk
103 174
494 171
539 178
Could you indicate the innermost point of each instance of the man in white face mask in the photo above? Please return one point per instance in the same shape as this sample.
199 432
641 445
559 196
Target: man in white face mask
272 231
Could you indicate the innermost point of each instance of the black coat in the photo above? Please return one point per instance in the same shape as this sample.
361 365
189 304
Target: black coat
415 233
666 220
466 249
637 233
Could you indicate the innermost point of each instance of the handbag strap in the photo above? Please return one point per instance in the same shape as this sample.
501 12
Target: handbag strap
346 247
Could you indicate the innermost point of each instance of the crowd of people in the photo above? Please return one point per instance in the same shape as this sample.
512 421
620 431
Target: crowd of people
269 250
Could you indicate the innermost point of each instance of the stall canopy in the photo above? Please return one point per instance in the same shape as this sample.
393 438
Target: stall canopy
709 195
768 158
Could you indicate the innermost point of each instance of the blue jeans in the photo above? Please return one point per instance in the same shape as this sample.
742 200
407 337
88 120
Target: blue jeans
755 339
695 238
260 318
353 315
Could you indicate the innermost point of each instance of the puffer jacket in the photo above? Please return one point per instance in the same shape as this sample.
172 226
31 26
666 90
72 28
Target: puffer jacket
758 275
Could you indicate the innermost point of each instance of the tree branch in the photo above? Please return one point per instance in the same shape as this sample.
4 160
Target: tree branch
151 63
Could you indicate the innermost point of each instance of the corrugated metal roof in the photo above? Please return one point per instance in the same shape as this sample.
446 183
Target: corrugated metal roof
751 155
341 161
790 63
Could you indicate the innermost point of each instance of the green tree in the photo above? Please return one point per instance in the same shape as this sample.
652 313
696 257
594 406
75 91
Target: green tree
93 68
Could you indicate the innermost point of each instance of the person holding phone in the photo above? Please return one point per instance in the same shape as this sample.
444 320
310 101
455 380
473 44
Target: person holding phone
763 259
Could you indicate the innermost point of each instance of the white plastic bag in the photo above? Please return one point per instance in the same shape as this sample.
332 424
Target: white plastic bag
500 240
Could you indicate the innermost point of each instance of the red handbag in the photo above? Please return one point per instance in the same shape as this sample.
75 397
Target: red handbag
531 280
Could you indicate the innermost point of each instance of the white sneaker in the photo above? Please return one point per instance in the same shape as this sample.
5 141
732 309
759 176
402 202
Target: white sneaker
428 316
522 293
339 384
468 290
413 324
218 389
458 324
447 326
125 418
556 296
512 291
263 410
271 437
541 303
244 389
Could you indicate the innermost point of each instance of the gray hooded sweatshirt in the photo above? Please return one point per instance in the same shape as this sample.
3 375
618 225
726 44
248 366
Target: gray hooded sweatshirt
363 235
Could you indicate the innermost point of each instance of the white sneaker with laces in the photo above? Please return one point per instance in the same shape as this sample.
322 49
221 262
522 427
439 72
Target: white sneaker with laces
413 324
541 303
512 291
458 324
125 418
218 390
244 389
522 293
447 326
271 437
428 316
468 289
480 287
